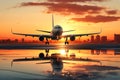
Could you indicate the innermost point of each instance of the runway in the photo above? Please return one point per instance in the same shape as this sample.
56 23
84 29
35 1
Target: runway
54 46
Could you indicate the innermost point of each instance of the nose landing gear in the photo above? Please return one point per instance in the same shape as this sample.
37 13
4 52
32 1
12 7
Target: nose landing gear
47 43
66 42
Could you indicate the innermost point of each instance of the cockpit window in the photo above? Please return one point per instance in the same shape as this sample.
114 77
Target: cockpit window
58 27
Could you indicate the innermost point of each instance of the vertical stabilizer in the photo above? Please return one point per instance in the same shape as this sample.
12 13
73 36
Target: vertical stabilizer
52 21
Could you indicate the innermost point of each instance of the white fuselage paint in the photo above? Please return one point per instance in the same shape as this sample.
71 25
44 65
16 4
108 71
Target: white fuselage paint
57 32
56 63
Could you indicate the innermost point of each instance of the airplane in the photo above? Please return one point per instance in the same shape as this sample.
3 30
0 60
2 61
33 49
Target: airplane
56 60
55 34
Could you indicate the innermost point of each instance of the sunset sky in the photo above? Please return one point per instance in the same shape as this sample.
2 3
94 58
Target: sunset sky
84 16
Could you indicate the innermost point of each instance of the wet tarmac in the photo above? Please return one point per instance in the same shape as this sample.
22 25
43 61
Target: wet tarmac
72 70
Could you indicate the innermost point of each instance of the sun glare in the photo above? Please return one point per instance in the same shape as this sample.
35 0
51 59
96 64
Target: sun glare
62 52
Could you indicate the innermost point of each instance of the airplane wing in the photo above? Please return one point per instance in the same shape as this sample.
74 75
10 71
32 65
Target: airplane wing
43 62
32 35
86 34
30 59
48 58
43 31
80 59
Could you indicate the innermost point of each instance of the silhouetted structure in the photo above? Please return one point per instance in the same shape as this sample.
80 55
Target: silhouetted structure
92 38
23 40
104 39
117 38
97 38
16 40
117 52
5 41
98 52
104 51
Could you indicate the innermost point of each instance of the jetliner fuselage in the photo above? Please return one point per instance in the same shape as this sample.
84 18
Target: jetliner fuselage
56 32
56 63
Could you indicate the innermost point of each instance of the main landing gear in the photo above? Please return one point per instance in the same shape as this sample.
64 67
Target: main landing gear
66 41
47 43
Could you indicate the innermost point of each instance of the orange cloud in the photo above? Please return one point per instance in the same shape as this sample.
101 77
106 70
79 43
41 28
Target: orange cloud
112 12
76 0
96 19
67 7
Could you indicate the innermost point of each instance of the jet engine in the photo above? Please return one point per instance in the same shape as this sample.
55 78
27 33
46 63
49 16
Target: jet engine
41 38
72 38
41 55
54 38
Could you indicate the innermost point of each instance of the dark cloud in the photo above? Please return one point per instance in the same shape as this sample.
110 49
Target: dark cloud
76 0
66 8
112 12
96 19
74 9
35 4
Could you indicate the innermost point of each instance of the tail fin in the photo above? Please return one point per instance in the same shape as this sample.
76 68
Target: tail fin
52 21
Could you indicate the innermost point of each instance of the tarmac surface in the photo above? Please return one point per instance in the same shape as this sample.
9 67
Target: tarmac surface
71 46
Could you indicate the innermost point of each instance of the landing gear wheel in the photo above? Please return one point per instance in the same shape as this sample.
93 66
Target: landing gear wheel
47 43
66 43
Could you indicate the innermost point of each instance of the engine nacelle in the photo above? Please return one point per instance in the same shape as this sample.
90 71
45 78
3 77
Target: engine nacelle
72 38
41 38
54 38
41 55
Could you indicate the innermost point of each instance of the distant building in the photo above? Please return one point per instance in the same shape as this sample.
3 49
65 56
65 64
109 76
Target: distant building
98 38
104 39
92 38
8 41
23 40
116 52
16 40
117 38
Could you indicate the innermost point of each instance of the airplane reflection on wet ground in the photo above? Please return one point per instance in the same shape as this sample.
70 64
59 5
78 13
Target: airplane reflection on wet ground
55 67
56 60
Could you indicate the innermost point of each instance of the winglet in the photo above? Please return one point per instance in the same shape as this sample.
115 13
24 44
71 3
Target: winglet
11 64
11 31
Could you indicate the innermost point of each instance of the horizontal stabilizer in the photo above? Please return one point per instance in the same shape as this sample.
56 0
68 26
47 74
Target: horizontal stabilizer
44 31
68 31
43 62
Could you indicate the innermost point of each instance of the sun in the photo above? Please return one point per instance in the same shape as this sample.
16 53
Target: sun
62 52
